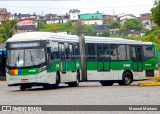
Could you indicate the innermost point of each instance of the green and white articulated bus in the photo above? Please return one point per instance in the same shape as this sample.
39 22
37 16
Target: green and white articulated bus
47 59
42 59
119 60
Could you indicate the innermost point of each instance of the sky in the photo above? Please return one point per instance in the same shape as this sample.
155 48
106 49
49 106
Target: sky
112 7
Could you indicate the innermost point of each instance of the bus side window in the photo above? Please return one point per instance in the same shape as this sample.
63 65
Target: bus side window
61 51
128 52
148 52
91 51
133 52
139 53
67 50
121 52
72 48
106 53
76 51
55 52
99 53
113 52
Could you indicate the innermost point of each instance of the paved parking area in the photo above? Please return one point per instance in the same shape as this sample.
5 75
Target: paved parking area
88 93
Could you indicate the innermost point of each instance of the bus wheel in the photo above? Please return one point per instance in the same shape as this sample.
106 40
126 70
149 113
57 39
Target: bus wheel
76 83
106 83
55 86
22 87
127 79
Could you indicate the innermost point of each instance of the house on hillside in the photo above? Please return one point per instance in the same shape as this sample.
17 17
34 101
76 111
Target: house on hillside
56 18
3 15
108 18
74 15
92 18
146 19
122 17
27 26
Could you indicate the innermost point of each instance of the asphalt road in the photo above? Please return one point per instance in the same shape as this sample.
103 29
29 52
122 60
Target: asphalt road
88 93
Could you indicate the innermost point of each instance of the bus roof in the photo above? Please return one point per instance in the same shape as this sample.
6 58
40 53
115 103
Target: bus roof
32 36
109 40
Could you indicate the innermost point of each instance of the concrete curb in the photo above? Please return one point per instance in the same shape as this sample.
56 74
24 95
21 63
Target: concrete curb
149 84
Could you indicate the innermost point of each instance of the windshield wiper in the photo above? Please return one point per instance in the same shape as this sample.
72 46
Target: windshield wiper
32 58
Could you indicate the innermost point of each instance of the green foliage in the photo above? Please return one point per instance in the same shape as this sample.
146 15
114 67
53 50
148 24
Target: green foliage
154 36
130 24
134 38
105 34
77 28
7 30
156 13
60 27
115 24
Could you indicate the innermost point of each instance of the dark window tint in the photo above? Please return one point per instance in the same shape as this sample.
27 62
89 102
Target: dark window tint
136 53
139 53
91 51
76 48
67 50
99 53
121 52
113 52
105 52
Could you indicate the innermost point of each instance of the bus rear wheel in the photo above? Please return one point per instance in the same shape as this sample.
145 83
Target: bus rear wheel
126 79
76 83
106 83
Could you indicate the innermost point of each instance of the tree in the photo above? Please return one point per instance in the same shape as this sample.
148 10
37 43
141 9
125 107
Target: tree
105 34
79 28
8 29
115 24
68 26
156 13
130 24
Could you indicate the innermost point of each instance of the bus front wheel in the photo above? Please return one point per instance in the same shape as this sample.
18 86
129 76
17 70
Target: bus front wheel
126 79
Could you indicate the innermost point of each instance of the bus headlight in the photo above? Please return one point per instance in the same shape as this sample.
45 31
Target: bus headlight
8 71
42 69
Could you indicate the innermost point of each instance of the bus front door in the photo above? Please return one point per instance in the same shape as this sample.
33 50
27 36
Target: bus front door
103 58
137 58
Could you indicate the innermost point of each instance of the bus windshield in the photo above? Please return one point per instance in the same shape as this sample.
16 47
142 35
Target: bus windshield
25 57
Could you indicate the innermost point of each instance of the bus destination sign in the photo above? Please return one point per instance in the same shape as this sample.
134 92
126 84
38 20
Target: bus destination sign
22 45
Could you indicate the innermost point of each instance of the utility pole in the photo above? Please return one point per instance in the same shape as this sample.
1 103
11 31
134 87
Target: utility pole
83 58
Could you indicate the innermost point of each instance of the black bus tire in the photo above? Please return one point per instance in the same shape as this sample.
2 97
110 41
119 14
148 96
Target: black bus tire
126 79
